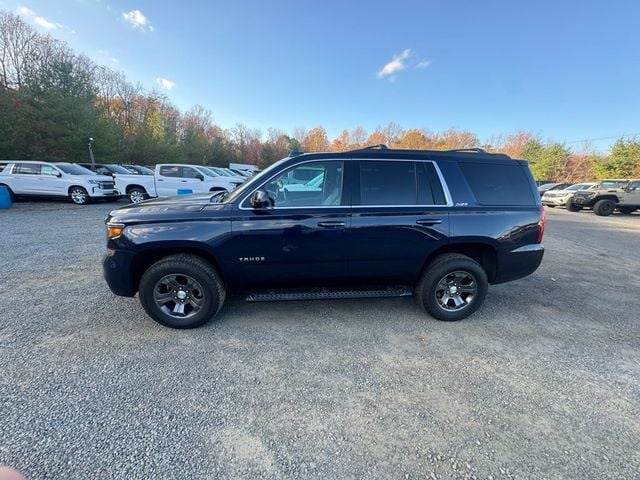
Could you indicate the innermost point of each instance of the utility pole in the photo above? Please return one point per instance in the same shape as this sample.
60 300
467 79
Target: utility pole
93 160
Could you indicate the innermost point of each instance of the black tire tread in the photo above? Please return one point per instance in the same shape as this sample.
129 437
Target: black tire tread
599 205
442 261
193 261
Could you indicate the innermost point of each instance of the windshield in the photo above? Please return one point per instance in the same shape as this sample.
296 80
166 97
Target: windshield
249 184
73 169
139 170
117 169
221 171
578 186
208 171
613 184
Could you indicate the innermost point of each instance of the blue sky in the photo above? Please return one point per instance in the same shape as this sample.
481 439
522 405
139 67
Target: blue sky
567 70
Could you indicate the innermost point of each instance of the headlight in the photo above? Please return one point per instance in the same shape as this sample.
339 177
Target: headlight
114 230
94 182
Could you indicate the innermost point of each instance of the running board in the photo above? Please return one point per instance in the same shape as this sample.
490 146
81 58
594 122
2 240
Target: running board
328 294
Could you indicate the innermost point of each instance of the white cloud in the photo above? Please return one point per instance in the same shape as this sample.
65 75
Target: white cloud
395 65
44 23
27 12
423 64
137 20
165 83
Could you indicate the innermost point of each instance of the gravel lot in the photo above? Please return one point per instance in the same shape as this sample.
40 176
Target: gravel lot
543 382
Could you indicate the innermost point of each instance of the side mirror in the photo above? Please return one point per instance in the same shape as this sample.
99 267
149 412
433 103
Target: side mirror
200 177
260 199
57 174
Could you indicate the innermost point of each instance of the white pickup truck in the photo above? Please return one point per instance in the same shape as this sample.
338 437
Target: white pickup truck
167 179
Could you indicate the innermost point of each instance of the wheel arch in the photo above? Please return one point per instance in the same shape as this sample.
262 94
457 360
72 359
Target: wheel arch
482 252
135 185
148 257
76 186
613 198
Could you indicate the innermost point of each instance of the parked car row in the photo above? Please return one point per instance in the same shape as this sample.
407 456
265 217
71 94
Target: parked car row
84 182
604 198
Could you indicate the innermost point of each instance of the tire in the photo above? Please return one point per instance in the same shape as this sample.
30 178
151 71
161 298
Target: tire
443 268
604 208
572 207
626 210
137 195
78 195
188 275
12 195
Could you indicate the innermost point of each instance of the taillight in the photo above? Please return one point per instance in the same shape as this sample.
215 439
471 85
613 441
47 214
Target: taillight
541 222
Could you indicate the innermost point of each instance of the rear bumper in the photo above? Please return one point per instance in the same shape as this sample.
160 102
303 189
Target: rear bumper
118 271
519 263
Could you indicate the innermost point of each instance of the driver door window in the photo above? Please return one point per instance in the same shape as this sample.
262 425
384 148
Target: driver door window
314 184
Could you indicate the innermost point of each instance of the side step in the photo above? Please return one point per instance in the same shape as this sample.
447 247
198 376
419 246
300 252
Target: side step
328 294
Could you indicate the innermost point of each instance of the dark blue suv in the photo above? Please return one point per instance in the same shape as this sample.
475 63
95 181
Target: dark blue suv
441 225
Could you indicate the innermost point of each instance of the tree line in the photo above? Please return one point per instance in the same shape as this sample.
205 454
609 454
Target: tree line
53 100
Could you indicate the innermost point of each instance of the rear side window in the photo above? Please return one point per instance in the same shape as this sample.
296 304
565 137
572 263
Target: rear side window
27 168
170 171
387 183
400 183
494 184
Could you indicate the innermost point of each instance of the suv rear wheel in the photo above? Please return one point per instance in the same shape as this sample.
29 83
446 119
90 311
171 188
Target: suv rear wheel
182 291
604 208
453 286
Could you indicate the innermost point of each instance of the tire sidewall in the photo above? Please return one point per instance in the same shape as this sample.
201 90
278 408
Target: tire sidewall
86 195
155 273
137 190
435 273
604 208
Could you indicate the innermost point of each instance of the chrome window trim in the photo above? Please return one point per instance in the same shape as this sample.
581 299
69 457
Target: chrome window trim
443 184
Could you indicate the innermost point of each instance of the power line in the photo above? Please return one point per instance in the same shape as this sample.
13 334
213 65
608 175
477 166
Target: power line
605 138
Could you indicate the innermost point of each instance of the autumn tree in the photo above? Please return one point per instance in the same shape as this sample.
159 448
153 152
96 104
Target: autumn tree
414 139
315 140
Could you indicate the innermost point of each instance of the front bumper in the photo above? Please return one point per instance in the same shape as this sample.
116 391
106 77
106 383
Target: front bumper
118 270
556 202
100 193
582 201
519 263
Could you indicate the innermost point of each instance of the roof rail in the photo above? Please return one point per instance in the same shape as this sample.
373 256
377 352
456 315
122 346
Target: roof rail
295 152
476 150
379 146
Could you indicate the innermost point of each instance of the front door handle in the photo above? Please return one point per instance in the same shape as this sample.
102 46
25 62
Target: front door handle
331 224
429 221
183 181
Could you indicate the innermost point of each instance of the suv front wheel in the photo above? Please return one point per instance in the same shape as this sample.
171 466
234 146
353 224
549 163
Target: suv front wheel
453 286
182 291
604 208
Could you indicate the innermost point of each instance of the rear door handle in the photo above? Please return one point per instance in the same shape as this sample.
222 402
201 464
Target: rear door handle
429 221
331 224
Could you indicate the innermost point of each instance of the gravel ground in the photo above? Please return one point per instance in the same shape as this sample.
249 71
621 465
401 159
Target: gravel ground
543 382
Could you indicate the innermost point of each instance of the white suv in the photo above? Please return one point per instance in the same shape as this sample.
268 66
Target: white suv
43 179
